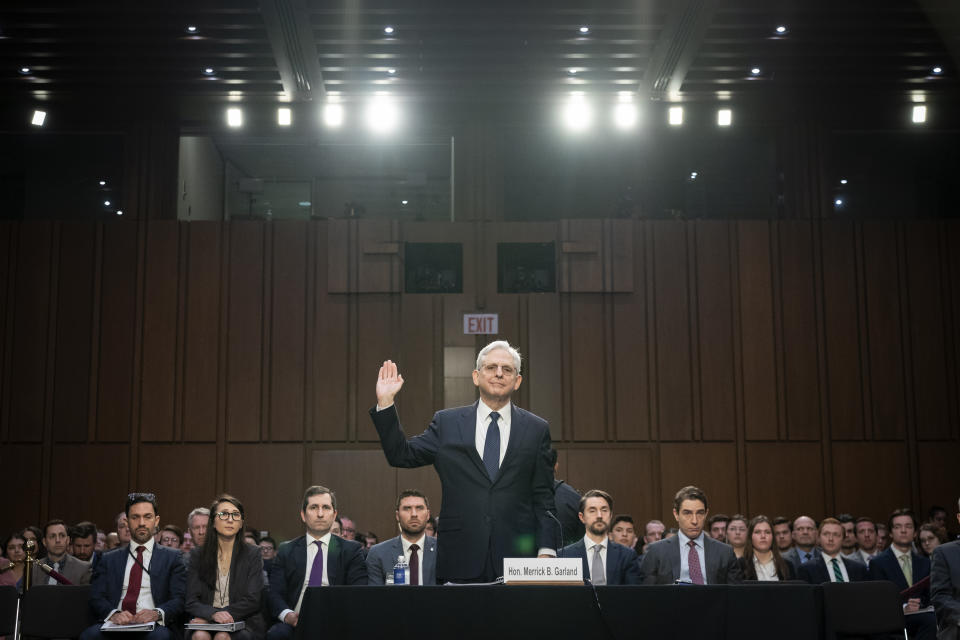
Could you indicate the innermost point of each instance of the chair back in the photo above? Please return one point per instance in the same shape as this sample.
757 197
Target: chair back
8 609
55 611
862 608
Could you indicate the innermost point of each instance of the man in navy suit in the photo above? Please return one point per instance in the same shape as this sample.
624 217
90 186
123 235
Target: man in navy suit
141 582
830 565
493 460
898 561
945 587
417 548
317 559
604 561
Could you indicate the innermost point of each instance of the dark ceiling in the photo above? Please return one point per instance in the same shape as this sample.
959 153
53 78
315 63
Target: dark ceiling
467 51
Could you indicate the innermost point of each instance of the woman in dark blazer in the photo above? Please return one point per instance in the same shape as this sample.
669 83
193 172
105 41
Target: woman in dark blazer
761 558
225 580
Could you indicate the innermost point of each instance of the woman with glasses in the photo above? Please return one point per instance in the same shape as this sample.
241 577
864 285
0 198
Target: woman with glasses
225 580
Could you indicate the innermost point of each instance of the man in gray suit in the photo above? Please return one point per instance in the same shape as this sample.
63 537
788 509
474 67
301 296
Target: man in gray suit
945 588
55 539
419 549
702 560
805 541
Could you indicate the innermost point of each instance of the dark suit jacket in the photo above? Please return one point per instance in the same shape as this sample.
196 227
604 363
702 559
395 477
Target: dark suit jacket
621 567
886 567
345 565
661 563
505 517
945 583
381 558
567 500
815 571
167 582
245 588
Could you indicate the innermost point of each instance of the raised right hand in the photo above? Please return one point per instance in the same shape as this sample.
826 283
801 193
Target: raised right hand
388 383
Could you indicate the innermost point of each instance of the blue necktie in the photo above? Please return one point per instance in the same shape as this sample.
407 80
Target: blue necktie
491 448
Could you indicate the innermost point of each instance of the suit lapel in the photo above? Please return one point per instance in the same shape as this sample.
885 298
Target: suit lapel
333 559
429 558
516 433
299 552
675 556
613 554
468 435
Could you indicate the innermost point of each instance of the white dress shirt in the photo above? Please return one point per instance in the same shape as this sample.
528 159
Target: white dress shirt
406 552
843 568
589 545
766 571
483 423
685 551
145 597
311 556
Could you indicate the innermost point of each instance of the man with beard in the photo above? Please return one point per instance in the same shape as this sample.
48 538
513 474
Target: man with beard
419 549
604 561
141 582
83 535
867 539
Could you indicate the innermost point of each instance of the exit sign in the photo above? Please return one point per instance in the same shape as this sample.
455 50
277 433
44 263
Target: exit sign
481 323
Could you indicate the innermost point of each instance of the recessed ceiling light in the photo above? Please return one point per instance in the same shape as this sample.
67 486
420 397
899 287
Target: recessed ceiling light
103 183
191 28
724 117
404 202
843 181
38 118
284 116
838 202
119 212
333 114
781 29
304 203
234 117
208 71
584 30
937 70
919 114
388 30
572 71
675 116
106 203
392 72
25 71
755 71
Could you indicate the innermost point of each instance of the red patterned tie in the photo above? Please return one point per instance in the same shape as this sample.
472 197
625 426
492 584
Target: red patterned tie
133 588
414 565
693 562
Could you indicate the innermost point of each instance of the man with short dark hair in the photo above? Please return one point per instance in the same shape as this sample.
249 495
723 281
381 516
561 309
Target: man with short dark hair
783 534
122 528
717 527
904 567
83 537
171 536
317 558
604 561
804 541
622 530
945 585
849 547
652 532
866 530
830 565
690 556
417 548
55 539
139 583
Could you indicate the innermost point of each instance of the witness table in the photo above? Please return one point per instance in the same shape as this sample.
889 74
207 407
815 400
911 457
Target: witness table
681 611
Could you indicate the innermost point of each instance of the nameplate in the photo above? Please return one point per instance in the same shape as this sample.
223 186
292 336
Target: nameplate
542 571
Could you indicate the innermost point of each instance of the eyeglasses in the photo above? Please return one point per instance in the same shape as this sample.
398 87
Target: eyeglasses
231 515
491 370
149 497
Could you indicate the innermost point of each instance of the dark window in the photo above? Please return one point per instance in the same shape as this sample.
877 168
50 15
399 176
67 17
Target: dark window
433 267
526 267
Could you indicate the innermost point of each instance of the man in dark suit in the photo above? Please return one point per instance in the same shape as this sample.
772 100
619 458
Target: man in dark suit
604 561
316 559
417 548
567 501
141 582
945 588
804 542
830 565
703 560
898 562
493 460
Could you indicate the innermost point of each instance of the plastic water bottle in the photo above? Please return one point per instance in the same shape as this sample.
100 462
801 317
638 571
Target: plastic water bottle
400 571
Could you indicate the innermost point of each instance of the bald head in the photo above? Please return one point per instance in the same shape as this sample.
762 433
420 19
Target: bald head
805 532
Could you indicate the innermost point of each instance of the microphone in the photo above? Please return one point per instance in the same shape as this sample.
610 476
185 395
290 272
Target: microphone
56 575
560 528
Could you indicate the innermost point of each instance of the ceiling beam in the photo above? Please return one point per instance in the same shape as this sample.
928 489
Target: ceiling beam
294 48
676 48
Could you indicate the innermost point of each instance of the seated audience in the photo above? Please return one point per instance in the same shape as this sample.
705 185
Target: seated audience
829 565
930 537
140 582
55 539
945 586
101 540
804 542
622 530
604 560
225 579
370 539
187 545
420 550
737 533
904 567
761 558
251 536
123 528
849 547
197 522
652 532
337 528
83 535
268 548
866 530
883 537
12 567
348 528
35 534
937 515
717 527
431 528
783 534
690 556
171 536
112 541
326 560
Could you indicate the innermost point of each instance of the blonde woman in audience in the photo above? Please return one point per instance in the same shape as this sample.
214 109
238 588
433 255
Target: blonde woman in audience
761 559
737 533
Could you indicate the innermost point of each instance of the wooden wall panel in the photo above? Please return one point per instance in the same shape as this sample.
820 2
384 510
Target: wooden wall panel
931 393
245 332
117 319
542 367
884 330
785 479
380 342
581 268
757 329
331 345
165 468
715 325
31 312
288 331
270 503
710 466
952 292
870 478
74 341
631 375
588 367
627 474
89 481
938 476
672 308
21 466
800 346
366 486
7 262
378 265
841 312
202 344
161 309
